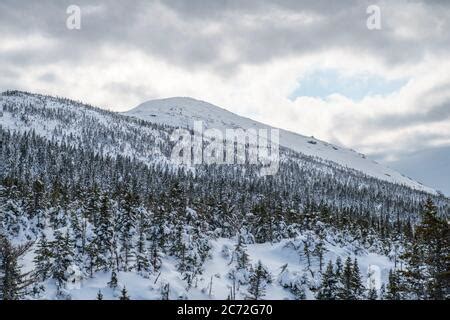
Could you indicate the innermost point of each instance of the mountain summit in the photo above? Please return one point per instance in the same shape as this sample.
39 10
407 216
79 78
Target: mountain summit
183 111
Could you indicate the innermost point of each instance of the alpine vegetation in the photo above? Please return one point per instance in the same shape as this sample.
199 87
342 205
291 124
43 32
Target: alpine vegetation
93 205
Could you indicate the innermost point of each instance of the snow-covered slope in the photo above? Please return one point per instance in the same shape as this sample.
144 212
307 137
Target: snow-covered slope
214 283
182 112
103 189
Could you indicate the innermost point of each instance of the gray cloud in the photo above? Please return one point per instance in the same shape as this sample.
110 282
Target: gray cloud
220 37
132 90
423 112
440 112
48 77
241 25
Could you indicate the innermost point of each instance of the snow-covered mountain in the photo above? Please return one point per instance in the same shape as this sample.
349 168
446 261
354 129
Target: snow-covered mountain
91 203
183 111
143 135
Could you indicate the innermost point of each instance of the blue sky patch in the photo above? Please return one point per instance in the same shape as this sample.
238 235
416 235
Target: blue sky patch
324 82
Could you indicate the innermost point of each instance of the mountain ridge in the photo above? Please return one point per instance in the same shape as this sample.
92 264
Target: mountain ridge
182 111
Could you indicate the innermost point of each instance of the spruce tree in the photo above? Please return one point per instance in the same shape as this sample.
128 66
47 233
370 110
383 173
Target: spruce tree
165 291
428 257
63 258
298 288
372 294
155 258
328 287
13 283
382 295
142 263
156 236
240 254
413 279
113 281
104 236
338 268
124 294
43 259
264 224
259 278
78 226
126 223
320 250
91 257
393 291
356 282
345 285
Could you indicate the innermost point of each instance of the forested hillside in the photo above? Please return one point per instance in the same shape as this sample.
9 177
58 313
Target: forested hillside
91 206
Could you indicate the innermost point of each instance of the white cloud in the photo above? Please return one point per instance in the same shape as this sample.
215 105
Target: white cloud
247 60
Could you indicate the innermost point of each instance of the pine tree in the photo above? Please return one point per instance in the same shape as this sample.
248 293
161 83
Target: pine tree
63 258
382 295
156 236
240 273
413 278
345 285
307 250
155 258
319 251
113 282
91 257
165 291
356 282
259 278
37 204
328 287
43 259
142 254
78 226
427 257
92 205
126 221
338 268
240 254
179 248
194 247
104 236
124 294
264 224
298 288
393 288
11 216
372 294
13 283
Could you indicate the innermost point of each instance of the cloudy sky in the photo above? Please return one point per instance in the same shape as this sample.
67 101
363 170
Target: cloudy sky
308 66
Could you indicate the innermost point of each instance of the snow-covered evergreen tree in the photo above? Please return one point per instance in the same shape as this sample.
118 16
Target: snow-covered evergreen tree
43 259
13 283
62 253
328 289
259 279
